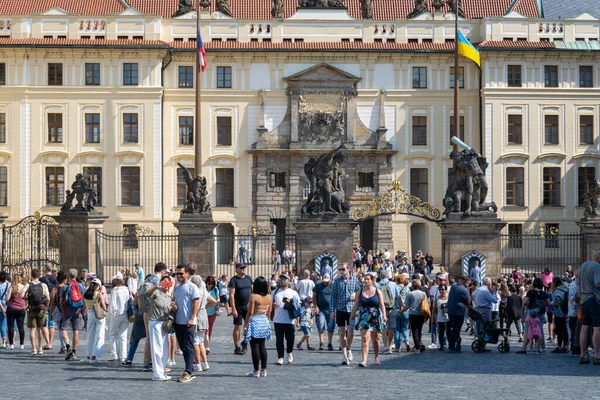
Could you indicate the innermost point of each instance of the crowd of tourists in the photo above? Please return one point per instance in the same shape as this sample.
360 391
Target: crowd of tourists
387 301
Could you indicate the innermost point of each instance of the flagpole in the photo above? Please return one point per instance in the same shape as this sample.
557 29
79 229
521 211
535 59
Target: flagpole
197 128
456 75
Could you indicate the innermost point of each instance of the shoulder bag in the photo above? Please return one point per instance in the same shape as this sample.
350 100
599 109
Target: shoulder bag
99 312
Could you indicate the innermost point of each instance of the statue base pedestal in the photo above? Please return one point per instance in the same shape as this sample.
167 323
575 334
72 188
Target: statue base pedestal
77 243
196 242
461 235
590 229
331 233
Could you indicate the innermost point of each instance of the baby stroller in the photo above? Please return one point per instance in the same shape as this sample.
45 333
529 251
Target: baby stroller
488 334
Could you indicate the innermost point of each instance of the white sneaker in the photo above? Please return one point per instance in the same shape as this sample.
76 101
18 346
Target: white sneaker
11 347
345 361
204 366
350 356
197 368
290 358
393 346
279 361
263 374
253 374
433 346
3 345
21 347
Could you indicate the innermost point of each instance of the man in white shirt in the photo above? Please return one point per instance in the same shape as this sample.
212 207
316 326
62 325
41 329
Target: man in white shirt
305 286
284 325
287 256
387 255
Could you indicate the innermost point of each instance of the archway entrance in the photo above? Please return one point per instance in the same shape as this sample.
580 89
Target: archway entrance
419 239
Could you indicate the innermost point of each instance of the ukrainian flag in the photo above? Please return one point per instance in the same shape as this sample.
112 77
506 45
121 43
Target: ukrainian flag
466 49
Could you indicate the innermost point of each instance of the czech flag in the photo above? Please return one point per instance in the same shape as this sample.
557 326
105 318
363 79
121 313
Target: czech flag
201 52
466 49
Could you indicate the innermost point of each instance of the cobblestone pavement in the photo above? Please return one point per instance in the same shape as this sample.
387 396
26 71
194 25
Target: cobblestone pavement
313 375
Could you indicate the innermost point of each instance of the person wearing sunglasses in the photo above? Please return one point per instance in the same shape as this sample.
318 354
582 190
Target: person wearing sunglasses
342 299
440 310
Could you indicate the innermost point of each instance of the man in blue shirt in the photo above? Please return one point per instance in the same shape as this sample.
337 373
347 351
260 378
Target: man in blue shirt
483 298
476 274
342 302
187 298
322 299
458 303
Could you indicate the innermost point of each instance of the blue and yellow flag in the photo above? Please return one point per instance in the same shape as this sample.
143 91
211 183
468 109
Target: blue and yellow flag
466 49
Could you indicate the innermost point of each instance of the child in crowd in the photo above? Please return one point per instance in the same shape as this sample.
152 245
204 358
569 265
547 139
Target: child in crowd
534 331
306 323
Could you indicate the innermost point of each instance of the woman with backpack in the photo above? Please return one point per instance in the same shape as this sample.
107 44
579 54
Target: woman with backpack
96 327
372 317
15 311
561 309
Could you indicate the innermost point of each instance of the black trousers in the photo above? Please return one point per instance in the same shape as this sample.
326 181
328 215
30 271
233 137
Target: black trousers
259 353
456 323
560 328
443 332
13 315
509 322
185 338
416 326
574 328
282 331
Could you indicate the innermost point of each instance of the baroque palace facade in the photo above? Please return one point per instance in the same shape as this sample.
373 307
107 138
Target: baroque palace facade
106 88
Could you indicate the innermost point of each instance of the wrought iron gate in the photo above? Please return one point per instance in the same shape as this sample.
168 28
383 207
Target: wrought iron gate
31 243
543 247
135 245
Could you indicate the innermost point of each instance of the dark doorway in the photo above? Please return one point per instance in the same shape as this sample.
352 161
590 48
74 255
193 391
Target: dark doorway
366 234
279 230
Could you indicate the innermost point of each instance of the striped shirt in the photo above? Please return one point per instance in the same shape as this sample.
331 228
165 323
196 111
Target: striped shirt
340 296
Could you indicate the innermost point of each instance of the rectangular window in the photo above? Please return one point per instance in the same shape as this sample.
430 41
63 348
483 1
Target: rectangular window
277 180
55 185
2 74
515 129
130 127
130 74
461 134
514 76
419 131
366 180
55 74
551 129
550 76
224 77
94 176
552 186
461 77
515 231
418 183
3 186
92 74
551 235
2 128
55 128
224 187
130 186
586 76
186 77
130 240
186 130
92 128
223 131
586 179
419 78
182 186
515 186
586 129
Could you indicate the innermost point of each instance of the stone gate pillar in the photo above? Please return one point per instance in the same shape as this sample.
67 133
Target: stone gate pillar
462 235
323 233
196 241
77 240
590 231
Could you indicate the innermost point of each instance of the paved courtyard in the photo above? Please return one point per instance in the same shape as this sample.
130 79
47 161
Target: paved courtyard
313 375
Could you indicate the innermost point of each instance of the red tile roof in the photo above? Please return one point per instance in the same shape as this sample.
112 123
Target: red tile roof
521 44
260 9
82 43
84 7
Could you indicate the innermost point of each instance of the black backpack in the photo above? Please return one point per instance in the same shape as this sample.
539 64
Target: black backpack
35 296
564 305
